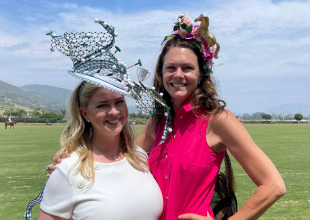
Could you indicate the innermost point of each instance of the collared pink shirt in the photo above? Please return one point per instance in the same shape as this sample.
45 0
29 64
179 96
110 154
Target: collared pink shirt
184 166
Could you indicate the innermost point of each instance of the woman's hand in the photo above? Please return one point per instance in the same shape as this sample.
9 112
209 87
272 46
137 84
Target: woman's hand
195 217
147 136
52 167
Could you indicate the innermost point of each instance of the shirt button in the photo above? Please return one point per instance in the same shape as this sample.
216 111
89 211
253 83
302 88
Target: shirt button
166 155
167 197
166 176
174 136
97 166
181 116
81 184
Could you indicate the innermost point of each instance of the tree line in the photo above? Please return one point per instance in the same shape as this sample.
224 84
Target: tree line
36 113
273 116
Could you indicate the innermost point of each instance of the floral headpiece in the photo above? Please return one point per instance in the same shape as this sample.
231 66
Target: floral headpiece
202 38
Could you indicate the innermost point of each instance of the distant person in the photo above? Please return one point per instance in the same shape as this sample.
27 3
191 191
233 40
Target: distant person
10 120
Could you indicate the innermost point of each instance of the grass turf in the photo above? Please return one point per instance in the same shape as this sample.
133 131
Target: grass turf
25 151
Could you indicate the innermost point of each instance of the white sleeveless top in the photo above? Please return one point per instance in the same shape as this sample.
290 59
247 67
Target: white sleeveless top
119 192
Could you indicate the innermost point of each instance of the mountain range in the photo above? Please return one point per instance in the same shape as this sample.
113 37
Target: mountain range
49 92
50 98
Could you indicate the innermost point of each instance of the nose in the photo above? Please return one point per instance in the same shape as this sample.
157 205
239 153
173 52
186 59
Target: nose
179 73
113 111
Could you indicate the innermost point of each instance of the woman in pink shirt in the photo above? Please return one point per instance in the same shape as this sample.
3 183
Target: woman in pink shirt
186 165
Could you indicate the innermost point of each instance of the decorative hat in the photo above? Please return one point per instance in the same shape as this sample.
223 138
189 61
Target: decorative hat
200 37
94 62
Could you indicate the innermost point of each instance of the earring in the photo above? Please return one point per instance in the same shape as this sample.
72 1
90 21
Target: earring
87 120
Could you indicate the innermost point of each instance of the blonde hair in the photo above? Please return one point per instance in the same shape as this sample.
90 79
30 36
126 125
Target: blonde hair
77 134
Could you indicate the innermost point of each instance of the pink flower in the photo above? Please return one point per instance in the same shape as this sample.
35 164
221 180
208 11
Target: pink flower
188 36
204 48
175 32
204 44
210 63
197 37
195 28
213 48
209 55
186 20
181 15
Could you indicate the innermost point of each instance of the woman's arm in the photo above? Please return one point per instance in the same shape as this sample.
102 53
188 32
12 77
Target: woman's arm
45 216
226 131
146 138
58 197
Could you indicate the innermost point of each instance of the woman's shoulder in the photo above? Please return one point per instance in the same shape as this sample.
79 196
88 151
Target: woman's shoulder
223 121
67 163
224 116
225 124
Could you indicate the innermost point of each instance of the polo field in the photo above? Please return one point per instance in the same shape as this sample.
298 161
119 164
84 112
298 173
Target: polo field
25 150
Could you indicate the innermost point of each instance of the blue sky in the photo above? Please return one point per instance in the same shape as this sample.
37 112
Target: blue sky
264 44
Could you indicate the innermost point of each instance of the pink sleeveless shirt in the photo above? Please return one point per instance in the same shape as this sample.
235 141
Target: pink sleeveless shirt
184 166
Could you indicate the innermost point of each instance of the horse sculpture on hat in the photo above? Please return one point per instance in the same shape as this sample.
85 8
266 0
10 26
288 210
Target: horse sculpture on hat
204 32
10 123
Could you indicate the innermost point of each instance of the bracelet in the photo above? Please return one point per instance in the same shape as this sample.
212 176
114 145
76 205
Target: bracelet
48 170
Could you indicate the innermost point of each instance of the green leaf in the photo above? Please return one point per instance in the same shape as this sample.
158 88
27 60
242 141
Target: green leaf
197 45
168 38
189 28
183 26
175 28
220 64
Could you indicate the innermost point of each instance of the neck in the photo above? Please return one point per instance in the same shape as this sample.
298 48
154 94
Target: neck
177 104
108 144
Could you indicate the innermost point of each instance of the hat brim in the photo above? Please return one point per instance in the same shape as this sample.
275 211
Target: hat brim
102 81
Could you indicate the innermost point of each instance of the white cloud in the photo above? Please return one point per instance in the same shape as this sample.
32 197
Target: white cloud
259 39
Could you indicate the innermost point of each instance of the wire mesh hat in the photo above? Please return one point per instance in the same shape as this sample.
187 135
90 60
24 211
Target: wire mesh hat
94 62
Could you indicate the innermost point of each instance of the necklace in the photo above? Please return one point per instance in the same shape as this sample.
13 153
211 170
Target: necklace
115 158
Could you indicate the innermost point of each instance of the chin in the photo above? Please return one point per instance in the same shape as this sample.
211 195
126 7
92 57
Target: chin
179 96
115 128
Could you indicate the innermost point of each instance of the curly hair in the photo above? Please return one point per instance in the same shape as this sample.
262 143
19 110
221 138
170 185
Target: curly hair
205 96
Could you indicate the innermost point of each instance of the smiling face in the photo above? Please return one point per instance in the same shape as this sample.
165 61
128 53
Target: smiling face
180 74
106 111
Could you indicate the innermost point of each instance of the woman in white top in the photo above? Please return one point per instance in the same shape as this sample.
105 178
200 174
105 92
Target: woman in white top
107 176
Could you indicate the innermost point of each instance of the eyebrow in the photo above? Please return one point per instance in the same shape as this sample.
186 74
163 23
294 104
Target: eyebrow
107 101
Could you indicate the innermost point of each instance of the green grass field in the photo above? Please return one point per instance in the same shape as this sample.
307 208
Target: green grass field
25 151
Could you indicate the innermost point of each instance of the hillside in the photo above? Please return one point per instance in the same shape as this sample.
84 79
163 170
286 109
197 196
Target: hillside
53 94
14 95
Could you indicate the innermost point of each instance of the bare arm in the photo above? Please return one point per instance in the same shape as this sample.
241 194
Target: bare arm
226 131
45 216
146 138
